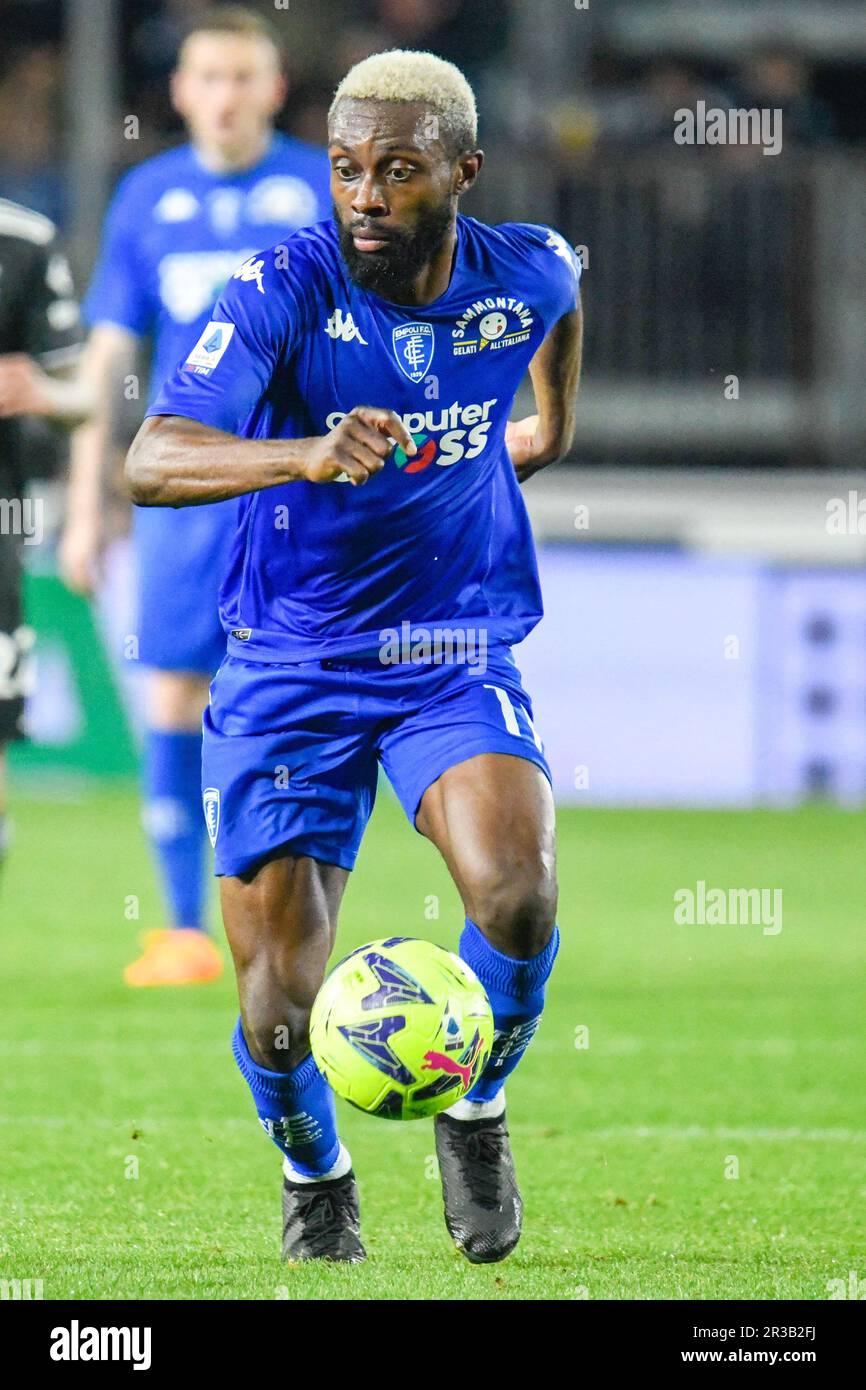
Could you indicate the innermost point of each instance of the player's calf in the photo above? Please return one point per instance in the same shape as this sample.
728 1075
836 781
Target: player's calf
492 818
280 922
483 1206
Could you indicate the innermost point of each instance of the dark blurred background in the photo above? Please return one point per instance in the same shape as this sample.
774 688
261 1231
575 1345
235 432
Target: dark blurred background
703 261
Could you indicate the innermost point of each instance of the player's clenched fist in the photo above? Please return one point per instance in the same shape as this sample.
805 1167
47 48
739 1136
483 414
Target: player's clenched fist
358 446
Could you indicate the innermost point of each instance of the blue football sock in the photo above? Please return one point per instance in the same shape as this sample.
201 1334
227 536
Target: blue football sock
515 989
174 821
296 1109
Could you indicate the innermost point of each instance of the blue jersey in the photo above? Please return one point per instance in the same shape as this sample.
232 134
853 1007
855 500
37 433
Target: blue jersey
441 538
174 234
176 231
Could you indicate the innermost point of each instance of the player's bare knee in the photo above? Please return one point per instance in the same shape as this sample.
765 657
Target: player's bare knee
276 1000
278 1036
278 1047
515 906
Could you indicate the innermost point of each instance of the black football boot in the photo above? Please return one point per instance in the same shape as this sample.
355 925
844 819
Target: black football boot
322 1220
483 1208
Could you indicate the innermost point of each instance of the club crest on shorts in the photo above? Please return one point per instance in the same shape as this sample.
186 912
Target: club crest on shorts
211 800
413 345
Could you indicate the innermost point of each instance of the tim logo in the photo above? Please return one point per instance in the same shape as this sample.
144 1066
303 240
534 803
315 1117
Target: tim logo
413 348
211 800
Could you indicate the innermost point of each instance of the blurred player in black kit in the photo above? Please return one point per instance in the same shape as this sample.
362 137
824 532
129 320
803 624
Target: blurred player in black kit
39 347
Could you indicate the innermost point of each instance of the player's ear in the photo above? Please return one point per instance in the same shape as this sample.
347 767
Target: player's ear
468 169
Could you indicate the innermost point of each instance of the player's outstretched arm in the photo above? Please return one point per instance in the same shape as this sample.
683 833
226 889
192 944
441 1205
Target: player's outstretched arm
545 438
63 397
178 462
109 361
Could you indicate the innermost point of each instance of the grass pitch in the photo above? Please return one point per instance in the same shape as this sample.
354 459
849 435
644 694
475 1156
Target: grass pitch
708 1142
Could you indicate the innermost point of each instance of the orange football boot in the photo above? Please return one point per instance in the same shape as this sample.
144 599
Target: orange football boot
175 956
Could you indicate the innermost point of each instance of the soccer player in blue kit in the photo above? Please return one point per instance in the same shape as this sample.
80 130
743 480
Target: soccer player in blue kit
179 227
355 520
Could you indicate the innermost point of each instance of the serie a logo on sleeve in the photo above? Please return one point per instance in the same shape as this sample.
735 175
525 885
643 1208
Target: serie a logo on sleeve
210 348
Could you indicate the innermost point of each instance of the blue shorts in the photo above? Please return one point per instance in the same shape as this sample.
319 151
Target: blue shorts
181 556
291 752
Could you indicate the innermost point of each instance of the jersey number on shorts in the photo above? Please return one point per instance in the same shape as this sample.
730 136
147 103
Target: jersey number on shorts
509 714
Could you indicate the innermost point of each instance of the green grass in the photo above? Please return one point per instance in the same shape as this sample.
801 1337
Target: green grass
707 1045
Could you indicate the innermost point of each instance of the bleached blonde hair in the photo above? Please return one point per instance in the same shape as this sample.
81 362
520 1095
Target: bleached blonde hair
405 74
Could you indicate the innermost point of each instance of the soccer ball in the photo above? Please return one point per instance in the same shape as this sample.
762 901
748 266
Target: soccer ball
401 1028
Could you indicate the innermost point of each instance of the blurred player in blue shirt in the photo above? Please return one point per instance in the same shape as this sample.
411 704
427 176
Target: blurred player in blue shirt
353 387
178 227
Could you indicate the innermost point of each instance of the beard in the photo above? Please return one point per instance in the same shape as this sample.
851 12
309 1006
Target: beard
392 272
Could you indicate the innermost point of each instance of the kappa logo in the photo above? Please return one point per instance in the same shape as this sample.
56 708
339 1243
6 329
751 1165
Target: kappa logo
495 322
344 327
251 270
210 347
561 248
211 801
414 345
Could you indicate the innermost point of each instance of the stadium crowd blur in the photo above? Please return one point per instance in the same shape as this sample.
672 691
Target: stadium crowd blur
622 105
590 149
